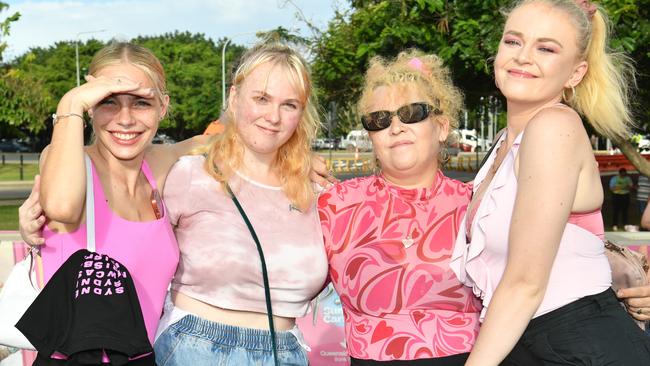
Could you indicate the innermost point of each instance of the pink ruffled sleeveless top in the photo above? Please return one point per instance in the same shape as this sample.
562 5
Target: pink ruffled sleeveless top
148 249
389 251
580 267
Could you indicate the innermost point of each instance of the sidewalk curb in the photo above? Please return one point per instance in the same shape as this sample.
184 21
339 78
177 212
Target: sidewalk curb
16 183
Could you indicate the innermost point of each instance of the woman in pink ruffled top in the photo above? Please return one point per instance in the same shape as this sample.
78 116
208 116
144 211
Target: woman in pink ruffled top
532 246
389 236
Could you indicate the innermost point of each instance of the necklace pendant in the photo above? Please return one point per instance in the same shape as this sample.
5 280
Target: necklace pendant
408 242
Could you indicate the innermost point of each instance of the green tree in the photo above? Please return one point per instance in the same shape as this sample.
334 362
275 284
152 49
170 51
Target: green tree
193 66
43 75
465 33
22 105
631 19
282 34
5 26
33 84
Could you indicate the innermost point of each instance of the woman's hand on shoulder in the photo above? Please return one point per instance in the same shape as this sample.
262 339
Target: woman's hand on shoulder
191 145
319 173
161 157
31 218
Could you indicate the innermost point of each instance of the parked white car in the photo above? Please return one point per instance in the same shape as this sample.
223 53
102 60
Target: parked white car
356 139
468 141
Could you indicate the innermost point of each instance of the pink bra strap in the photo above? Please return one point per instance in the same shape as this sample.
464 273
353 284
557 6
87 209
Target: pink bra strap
148 174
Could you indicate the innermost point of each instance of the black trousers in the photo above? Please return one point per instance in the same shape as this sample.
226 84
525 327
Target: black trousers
44 360
519 356
621 203
594 330
454 360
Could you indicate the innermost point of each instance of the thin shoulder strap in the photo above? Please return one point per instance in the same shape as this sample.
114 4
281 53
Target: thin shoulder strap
265 277
90 207
494 143
146 170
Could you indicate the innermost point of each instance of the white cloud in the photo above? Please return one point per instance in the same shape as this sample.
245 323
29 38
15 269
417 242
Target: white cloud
43 23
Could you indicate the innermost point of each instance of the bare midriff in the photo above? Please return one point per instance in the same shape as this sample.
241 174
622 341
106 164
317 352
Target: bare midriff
246 319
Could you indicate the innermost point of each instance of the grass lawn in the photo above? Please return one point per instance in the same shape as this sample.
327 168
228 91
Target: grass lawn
9 217
12 172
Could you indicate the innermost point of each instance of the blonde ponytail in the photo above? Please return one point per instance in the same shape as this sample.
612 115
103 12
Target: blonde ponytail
604 92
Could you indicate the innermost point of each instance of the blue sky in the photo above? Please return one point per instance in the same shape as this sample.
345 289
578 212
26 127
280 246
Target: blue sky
44 22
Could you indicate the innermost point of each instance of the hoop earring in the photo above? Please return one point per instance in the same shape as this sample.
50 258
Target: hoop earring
376 166
574 95
443 155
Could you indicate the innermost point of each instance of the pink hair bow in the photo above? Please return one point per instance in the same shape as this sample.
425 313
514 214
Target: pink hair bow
417 64
588 7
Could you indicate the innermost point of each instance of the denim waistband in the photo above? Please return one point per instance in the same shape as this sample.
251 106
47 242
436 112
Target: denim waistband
583 307
231 335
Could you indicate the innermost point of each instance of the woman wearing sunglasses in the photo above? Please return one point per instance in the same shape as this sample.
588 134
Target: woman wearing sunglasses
389 236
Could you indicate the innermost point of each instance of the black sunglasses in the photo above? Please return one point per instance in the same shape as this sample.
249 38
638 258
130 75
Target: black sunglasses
410 113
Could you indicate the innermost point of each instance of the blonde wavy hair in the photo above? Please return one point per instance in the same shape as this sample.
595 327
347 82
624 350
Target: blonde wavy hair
603 95
414 68
124 52
293 160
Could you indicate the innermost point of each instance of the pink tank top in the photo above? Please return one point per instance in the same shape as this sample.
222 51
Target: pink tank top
590 221
148 249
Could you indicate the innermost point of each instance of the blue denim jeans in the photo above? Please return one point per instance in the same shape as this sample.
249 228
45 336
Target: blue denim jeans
193 341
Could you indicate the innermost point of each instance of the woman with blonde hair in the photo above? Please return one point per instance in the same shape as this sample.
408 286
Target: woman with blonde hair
389 236
220 313
532 245
125 96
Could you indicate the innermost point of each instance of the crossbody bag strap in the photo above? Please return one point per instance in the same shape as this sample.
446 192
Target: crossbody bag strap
36 262
494 144
90 206
265 277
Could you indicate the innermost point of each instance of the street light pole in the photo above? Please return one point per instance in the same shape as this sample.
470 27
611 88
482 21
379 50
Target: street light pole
76 50
223 74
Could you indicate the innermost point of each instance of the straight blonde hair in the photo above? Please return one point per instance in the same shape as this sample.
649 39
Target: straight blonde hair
293 160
